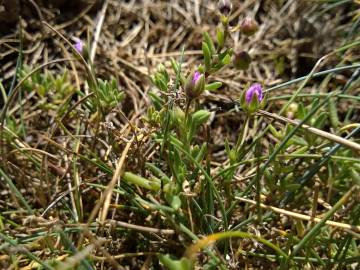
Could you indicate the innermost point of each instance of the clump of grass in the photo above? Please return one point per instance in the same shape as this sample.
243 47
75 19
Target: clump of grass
88 187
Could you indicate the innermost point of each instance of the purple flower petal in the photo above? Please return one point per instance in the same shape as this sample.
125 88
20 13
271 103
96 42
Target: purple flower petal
255 89
79 45
196 77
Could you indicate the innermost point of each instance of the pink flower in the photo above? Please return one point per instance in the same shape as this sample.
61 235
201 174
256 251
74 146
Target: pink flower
255 89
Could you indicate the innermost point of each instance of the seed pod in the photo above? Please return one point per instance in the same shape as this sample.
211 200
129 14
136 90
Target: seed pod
248 26
241 60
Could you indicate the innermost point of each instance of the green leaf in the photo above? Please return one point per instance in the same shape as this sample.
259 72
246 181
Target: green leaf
160 82
195 150
274 132
225 53
157 172
156 100
209 43
355 177
269 180
320 120
207 56
226 60
162 70
201 154
280 65
302 111
227 146
213 86
333 115
175 202
175 65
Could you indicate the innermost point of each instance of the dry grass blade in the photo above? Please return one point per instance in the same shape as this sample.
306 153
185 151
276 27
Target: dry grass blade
339 225
331 137
109 190
142 228
98 30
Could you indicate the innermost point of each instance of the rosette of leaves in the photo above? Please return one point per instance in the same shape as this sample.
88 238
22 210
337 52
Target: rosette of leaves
161 78
109 94
53 88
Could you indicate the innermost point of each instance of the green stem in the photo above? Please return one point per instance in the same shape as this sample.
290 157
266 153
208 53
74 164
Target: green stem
141 181
243 135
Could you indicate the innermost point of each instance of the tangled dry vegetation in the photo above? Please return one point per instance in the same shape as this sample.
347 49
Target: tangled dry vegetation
64 201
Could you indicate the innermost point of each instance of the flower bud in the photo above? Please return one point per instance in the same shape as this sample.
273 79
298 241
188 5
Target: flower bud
162 70
152 116
293 107
169 188
221 36
225 7
292 110
248 26
200 117
241 60
195 85
178 116
252 99
232 156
